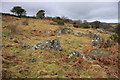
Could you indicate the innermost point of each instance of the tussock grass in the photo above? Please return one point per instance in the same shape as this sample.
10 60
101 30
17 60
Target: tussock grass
27 63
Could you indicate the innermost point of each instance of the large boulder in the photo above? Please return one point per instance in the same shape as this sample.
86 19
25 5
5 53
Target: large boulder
49 44
64 31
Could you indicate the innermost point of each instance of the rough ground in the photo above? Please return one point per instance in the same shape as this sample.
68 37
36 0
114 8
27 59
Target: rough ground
21 62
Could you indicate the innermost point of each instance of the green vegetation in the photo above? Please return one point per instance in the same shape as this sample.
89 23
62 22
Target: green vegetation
40 14
18 10
19 62
81 26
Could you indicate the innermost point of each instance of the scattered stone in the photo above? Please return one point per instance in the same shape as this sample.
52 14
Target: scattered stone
76 53
49 44
48 32
10 38
97 40
25 45
64 31
81 34
19 42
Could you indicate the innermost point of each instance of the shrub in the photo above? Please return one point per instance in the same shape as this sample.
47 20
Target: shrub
114 37
76 25
53 23
81 26
108 43
60 22
117 30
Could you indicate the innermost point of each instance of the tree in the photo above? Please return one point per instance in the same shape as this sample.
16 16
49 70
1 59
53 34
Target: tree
18 10
40 14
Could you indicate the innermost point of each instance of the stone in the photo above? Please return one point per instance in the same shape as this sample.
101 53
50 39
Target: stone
11 38
76 53
64 31
48 32
19 42
49 44
97 40
25 45
81 34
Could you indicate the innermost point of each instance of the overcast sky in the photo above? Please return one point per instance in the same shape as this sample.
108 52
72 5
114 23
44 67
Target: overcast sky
91 11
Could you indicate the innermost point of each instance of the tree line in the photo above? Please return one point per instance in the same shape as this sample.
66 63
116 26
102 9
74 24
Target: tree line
19 11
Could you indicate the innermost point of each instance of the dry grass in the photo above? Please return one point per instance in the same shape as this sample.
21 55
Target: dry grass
21 62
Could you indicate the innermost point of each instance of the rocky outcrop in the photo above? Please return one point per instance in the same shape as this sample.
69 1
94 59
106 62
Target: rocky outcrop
49 44
64 31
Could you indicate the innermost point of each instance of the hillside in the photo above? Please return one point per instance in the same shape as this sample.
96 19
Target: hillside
21 61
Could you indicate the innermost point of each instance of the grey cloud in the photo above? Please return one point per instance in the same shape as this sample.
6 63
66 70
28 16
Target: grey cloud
104 11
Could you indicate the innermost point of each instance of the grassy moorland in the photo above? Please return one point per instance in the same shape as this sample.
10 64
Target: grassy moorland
20 62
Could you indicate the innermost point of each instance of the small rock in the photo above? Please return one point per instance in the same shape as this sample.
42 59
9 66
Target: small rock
76 53
48 32
81 34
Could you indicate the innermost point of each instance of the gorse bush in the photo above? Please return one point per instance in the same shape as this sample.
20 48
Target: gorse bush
53 23
109 43
81 26
114 37
59 22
